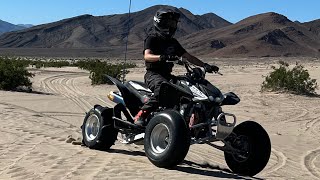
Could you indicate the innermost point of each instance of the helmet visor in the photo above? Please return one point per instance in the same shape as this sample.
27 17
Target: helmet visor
168 24
170 15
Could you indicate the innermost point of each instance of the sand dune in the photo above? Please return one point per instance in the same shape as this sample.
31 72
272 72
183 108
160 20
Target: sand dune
38 129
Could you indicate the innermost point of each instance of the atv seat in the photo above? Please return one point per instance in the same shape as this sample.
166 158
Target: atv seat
131 96
141 87
140 90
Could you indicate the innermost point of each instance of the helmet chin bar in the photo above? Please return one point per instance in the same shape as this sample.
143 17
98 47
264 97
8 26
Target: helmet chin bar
166 33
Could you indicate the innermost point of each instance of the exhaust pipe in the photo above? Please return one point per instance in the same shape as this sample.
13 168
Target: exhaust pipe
116 97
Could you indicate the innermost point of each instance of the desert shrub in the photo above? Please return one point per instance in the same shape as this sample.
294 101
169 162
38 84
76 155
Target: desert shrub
296 80
13 73
98 69
16 69
88 65
51 63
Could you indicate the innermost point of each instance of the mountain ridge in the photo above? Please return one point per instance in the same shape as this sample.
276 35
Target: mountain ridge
8 27
267 34
87 31
261 35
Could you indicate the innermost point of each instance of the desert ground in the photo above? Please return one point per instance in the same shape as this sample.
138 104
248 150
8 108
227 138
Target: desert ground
40 131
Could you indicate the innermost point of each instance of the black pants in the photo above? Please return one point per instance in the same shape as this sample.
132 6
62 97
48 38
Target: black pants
154 81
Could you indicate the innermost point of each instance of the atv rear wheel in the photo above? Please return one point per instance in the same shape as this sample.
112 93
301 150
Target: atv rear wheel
97 129
255 146
167 139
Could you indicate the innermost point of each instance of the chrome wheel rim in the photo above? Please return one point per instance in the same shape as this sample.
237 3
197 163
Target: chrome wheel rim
160 138
92 127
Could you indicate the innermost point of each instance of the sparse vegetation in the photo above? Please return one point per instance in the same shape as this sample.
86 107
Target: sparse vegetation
51 63
13 73
98 69
296 80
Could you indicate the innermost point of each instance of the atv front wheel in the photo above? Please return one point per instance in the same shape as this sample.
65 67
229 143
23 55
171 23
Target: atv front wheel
97 129
254 147
167 139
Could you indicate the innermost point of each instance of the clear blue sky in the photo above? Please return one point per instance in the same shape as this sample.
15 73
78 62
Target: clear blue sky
45 11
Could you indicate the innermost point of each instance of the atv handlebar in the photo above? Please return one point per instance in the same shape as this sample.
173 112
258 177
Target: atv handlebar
184 62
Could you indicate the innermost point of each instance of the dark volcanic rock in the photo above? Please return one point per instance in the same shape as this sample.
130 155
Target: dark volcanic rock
274 36
249 28
291 29
313 26
216 44
279 19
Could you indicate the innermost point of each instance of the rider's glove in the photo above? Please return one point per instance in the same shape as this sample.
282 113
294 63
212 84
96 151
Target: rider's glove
210 68
168 58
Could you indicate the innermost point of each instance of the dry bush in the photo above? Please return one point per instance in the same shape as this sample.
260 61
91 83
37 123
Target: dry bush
296 80
13 73
99 69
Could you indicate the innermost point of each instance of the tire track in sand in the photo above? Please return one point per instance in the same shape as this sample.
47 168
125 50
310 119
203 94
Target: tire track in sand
314 124
277 161
309 162
54 85
37 143
22 147
65 85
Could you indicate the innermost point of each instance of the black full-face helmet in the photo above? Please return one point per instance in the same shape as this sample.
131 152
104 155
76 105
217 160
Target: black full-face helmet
165 22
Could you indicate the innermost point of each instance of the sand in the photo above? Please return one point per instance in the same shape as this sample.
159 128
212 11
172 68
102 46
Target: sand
40 131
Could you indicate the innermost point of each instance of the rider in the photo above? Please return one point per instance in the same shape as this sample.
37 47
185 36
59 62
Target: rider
160 49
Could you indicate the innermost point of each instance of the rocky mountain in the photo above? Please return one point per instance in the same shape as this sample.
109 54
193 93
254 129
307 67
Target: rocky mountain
313 26
207 35
88 31
268 34
7 27
25 25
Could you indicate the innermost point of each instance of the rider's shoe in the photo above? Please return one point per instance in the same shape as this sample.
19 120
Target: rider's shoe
139 119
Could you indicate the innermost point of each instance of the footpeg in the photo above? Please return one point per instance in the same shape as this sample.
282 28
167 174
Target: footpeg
129 139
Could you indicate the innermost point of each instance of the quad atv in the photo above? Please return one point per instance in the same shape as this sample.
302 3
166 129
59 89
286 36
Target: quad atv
189 113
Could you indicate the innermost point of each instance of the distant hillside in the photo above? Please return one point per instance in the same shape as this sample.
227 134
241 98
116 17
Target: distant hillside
88 31
268 34
313 26
25 25
207 35
7 27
